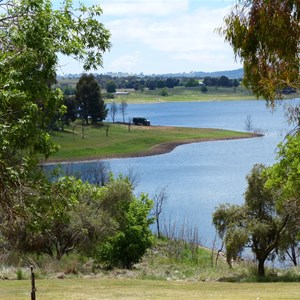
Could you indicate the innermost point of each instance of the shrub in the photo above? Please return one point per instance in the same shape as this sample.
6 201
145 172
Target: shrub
164 92
131 241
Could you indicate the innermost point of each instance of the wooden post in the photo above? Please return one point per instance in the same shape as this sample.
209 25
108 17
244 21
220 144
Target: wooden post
32 284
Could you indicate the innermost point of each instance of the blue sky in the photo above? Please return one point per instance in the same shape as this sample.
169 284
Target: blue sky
162 36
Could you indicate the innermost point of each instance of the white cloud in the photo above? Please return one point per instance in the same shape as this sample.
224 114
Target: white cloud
184 34
125 63
143 7
155 36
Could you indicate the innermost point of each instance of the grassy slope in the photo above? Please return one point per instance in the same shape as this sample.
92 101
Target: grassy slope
120 142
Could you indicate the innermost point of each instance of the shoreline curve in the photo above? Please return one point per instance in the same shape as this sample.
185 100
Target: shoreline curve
158 149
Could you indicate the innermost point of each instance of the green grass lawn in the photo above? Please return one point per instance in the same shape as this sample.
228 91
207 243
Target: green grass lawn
89 289
120 142
181 93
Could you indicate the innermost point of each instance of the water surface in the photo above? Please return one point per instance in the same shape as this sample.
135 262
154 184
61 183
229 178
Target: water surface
200 176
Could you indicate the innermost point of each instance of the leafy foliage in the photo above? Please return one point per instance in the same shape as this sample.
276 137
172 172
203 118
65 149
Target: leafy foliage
284 176
192 83
73 215
89 98
132 239
32 33
111 86
265 35
223 81
255 224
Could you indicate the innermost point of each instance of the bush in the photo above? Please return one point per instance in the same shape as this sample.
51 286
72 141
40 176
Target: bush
164 92
130 243
109 96
204 89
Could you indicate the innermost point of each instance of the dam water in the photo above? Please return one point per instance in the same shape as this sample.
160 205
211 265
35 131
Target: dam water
200 176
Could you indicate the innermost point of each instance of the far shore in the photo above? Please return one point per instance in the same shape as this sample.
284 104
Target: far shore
158 149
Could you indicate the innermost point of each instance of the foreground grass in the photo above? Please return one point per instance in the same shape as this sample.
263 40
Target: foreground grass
122 142
76 289
172 269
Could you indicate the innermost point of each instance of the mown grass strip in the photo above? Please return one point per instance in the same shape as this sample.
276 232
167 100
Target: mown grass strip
138 141
76 289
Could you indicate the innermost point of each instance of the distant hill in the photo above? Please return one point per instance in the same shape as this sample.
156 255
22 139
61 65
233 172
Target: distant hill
231 74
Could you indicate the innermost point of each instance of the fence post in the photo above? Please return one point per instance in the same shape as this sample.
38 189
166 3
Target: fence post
32 284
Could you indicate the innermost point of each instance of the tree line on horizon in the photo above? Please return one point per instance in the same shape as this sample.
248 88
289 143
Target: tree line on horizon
111 84
85 101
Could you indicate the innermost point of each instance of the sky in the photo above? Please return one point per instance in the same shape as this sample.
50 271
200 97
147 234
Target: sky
162 36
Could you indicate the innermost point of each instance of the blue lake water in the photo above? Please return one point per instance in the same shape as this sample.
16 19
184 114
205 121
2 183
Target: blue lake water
200 176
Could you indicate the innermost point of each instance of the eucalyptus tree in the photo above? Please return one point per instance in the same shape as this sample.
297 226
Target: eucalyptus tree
284 177
257 223
32 34
266 36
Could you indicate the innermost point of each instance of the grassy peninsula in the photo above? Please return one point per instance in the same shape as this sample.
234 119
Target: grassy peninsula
119 140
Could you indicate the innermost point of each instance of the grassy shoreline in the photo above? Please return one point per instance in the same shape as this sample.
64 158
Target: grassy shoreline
183 94
119 141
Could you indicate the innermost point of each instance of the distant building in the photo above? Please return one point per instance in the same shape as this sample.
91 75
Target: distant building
121 93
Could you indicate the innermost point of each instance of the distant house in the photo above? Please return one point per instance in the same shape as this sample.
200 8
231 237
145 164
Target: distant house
121 93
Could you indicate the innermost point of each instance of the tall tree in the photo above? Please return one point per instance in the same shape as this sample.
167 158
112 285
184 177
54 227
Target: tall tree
170 83
111 86
256 224
113 110
123 107
265 34
71 109
32 33
88 95
284 174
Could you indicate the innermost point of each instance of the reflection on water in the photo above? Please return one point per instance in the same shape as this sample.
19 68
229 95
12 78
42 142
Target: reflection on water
200 176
